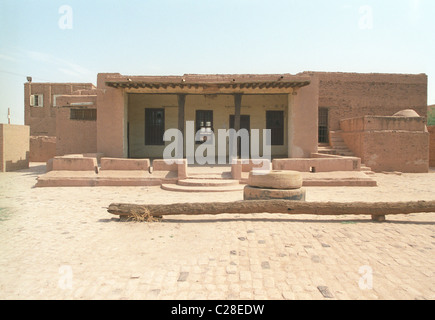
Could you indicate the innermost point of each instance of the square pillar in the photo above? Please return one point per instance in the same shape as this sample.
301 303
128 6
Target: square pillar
181 104
237 111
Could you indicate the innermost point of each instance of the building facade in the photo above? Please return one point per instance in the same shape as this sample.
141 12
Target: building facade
40 104
127 116
138 110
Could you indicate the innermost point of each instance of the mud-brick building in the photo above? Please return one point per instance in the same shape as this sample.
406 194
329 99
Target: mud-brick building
126 116
42 114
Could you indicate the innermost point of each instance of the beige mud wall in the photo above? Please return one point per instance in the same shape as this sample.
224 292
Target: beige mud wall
42 148
136 118
256 106
303 121
350 95
74 136
111 120
222 107
42 120
14 147
432 146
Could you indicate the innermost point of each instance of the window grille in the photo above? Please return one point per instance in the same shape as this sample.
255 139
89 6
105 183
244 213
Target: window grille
83 114
154 126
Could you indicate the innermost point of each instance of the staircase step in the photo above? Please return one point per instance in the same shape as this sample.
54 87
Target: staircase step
325 148
207 182
210 176
366 170
332 152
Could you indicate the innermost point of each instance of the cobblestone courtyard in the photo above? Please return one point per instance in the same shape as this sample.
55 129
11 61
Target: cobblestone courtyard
60 243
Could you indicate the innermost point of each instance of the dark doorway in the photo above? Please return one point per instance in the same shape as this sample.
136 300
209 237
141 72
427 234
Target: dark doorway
203 119
323 125
275 122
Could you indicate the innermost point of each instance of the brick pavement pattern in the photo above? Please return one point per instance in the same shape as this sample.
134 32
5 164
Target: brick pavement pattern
60 243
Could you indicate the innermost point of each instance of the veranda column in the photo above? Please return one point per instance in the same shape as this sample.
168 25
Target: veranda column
238 107
234 140
181 103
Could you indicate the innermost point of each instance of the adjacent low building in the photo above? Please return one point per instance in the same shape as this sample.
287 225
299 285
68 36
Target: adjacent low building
396 143
41 108
14 147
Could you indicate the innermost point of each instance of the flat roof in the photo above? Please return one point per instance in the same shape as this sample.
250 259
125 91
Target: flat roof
219 81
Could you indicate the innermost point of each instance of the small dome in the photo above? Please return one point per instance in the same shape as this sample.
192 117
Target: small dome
409 113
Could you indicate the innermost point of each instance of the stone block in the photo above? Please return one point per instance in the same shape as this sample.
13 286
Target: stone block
124 164
74 163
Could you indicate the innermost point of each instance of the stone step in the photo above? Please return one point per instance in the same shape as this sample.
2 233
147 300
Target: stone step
366 170
335 142
336 138
343 152
180 188
330 152
324 147
210 176
207 182
346 154
343 147
326 150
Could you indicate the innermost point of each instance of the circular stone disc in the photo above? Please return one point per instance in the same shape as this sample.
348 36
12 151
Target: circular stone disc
276 180
254 193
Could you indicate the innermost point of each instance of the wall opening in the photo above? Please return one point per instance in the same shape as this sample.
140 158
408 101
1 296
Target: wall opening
323 125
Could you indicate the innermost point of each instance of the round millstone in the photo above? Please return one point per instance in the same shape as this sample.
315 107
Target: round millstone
254 193
277 179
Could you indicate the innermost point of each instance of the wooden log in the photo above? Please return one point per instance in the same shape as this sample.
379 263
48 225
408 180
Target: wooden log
377 210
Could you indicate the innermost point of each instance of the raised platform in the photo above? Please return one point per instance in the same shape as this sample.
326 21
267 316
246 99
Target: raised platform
332 179
338 179
201 182
105 178
78 170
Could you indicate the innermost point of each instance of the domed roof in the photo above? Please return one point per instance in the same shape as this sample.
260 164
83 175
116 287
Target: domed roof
409 113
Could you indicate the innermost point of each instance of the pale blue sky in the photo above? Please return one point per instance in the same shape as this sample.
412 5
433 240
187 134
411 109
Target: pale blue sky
173 37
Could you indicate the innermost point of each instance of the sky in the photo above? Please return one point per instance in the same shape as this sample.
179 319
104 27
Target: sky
74 40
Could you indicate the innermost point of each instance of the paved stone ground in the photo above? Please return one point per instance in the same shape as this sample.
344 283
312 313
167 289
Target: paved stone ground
60 243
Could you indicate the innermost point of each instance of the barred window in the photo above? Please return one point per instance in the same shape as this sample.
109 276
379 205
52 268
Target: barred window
84 114
154 126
